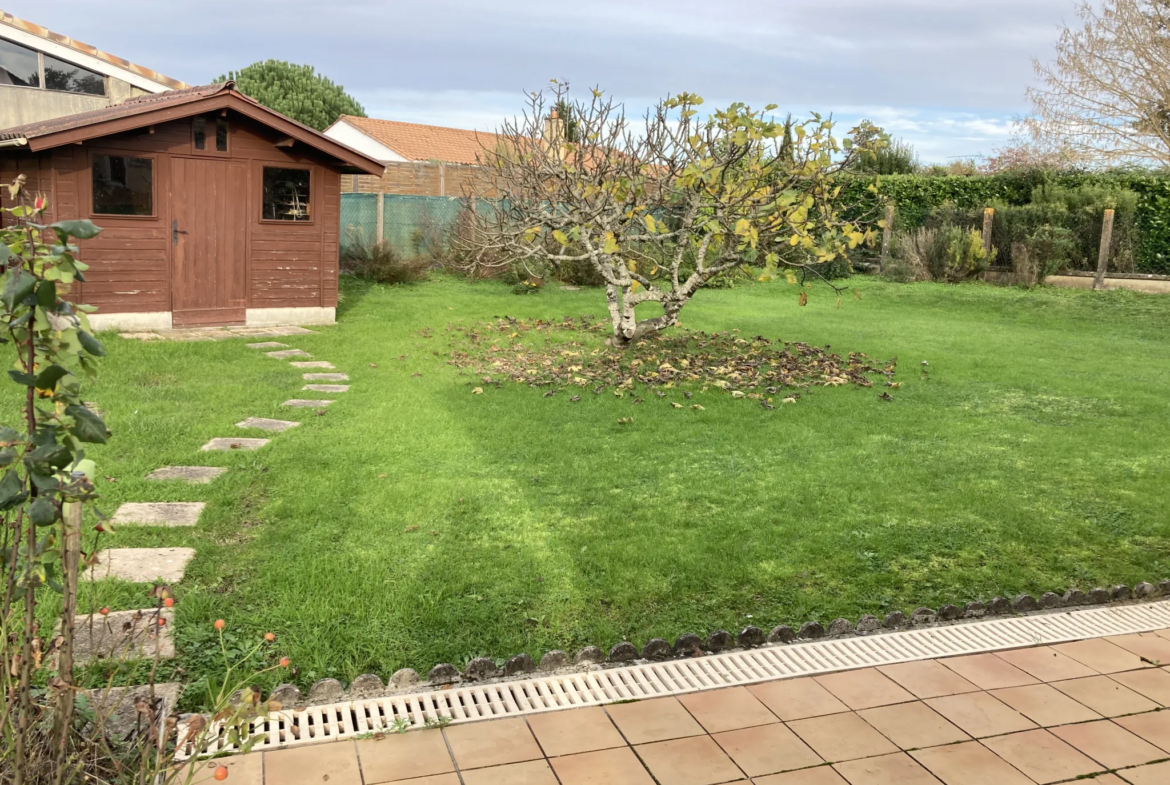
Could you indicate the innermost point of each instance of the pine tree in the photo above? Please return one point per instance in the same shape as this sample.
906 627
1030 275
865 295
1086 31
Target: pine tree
296 91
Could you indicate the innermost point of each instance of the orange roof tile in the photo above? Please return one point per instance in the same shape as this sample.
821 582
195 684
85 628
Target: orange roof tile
416 142
77 46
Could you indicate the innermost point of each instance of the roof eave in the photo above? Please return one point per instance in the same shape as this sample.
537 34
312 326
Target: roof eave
227 99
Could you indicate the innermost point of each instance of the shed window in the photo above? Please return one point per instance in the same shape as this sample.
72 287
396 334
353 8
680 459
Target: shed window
123 185
199 132
286 194
19 65
221 134
70 78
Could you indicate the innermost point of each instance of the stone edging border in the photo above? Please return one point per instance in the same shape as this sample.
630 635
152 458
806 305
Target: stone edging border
484 669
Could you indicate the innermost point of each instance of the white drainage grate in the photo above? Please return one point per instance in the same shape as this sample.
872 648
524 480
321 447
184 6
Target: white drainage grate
675 677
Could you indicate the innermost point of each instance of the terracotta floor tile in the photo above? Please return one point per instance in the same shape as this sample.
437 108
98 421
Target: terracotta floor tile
767 749
896 769
242 769
1108 779
533 772
492 743
607 767
864 689
1045 705
575 730
1153 727
798 699
1105 696
1158 774
969 764
840 737
1101 655
442 779
1110 744
1153 647
988 672
913 725
730 709
979 714
928 679
1154 683
660 719
314 764
403 756
823 775
694 761
1042 756
1046 664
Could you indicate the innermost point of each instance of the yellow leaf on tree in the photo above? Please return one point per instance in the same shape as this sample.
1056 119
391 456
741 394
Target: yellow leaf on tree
650 225
611 244
560 237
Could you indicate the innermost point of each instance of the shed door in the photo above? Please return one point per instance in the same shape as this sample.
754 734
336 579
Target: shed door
209 210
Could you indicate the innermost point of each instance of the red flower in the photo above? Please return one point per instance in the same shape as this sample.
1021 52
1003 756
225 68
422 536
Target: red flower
39 203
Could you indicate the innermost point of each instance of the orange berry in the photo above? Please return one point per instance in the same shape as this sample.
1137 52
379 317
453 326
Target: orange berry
220 624
162 622
221 773
169 602
104 611
284 662
270 637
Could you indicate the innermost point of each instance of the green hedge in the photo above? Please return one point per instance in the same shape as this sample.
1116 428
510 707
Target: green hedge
916 195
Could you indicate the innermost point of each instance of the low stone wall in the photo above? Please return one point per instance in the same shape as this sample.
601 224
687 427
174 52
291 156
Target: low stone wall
1149 284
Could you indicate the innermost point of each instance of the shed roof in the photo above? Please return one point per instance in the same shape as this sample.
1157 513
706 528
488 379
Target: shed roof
154 108
83 48
417 142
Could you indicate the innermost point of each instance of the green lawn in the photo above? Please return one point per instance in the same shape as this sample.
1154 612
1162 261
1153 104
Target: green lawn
1032 457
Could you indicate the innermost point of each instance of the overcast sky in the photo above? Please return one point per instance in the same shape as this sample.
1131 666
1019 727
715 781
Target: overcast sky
947 75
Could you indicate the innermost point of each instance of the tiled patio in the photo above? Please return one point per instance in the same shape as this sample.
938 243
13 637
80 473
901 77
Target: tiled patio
1091 709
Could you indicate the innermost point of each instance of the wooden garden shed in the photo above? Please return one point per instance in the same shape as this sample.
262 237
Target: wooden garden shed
215 210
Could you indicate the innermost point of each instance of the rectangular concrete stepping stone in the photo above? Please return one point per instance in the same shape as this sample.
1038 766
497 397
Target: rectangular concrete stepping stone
305 404
142 565
124 635
93 407
325 377
160 513
332 388
267 345
222 444
119 705
265 424
284 354
313 364
193 474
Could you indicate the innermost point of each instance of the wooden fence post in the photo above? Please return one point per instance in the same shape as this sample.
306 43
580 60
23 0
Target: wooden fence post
71 553
381 217
1103 253
988 223
887 237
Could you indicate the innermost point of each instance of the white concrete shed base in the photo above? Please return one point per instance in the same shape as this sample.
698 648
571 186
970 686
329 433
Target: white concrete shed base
253 317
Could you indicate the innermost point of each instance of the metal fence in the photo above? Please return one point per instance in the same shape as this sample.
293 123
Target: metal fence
411 225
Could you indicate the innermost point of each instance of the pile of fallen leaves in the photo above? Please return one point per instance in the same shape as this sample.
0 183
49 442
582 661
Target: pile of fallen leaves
569 355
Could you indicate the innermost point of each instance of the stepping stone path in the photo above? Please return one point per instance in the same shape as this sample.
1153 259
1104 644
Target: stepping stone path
128 635
142 565
218 333
159 513
196 475
302 403
222 444
138 633
265 424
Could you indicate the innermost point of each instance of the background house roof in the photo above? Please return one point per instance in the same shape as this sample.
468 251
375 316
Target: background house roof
416 142
92 51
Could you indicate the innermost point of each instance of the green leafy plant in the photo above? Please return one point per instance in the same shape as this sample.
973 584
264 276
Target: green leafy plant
296 91
381 263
